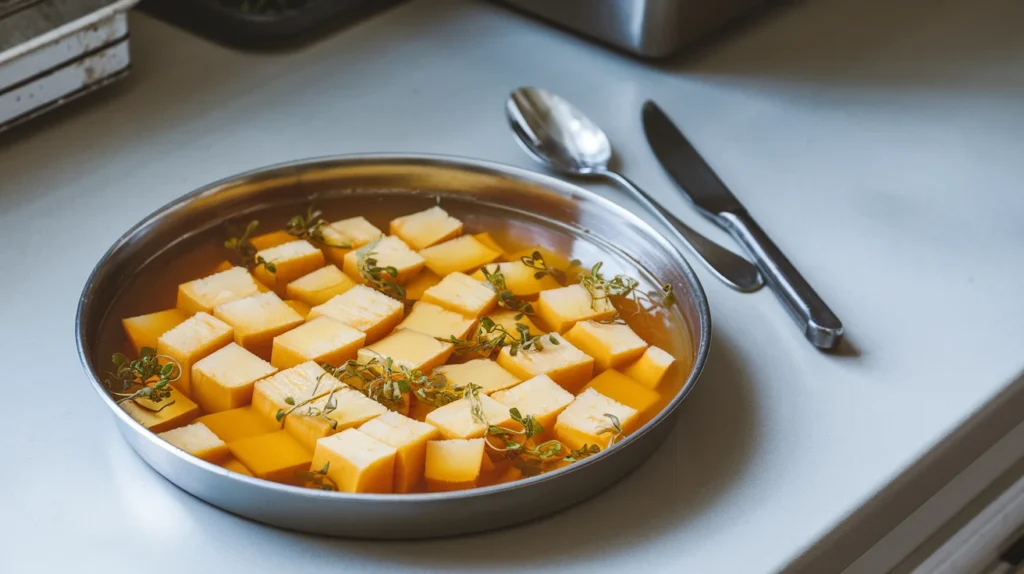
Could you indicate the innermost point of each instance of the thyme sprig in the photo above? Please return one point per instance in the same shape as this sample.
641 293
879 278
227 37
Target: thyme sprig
311 228
515 445
246 252
491 336
614 427
312 411
374 274
581 453
150 378
536 261
317 478
506 298
602 287
379 378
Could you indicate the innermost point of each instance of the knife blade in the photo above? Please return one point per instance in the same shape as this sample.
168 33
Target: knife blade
700 183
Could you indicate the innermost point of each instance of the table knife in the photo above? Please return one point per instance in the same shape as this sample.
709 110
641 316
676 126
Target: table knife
698 181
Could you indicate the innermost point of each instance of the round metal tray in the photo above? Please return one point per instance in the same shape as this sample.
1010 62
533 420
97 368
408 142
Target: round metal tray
406 179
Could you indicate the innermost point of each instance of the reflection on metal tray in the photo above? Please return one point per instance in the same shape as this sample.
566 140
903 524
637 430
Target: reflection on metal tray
52 51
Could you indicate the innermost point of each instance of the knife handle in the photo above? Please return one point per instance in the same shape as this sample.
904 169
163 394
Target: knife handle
821 326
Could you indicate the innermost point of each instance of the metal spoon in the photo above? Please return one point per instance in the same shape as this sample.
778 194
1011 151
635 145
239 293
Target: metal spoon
558 135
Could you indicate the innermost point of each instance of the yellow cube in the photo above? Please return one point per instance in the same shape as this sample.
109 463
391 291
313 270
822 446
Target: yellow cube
586 422
354 231
363 309
540 397
174 411
437 321
234 465
299 307
653 367
223 380
319 286
408 348
509 320
519 279
456 420
323 340
358 462
485 373
564 363
291 387
389 251
461 293
275 456
453 464
238 423
462 254
195 338
409 437
426 228
257 320
422 281
145 330
611 345
202 295
552 259
291 260
625 390
272 239
489 241
198 441
340 409
561 308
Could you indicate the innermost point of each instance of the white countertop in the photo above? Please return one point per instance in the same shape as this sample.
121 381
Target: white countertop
880 148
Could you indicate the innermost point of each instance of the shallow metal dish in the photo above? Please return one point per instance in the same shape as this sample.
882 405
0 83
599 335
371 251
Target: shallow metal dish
404 178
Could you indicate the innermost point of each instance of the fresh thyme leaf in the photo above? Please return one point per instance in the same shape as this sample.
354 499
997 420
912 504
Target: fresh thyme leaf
317 478
491 336
506 298
375 275
601 287
536 261
245 251
144 378
476 408
311 228
582 453
615 428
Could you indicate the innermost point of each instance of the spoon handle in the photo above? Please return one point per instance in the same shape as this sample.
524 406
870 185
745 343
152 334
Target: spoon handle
732 269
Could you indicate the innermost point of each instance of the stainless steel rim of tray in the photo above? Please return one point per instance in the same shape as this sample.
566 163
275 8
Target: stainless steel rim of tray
394 516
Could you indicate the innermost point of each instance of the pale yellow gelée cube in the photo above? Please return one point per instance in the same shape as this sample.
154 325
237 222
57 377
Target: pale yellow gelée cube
272 239
519 278
426 228
257 320
235 465
190 341
322 339
564 363
299 307
509 321
299 383
275 456
389 251
319 286
202 295
342 408
362 308
409 437
354 231
291 260
145 330
423 280
462 254
489 241
540 397
172 412
485 373
611 345
358 462
625 390
198 441
224 379
652 368
561 308
456 420
235 424
461 293
453 464
437 321
585 420
408 348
